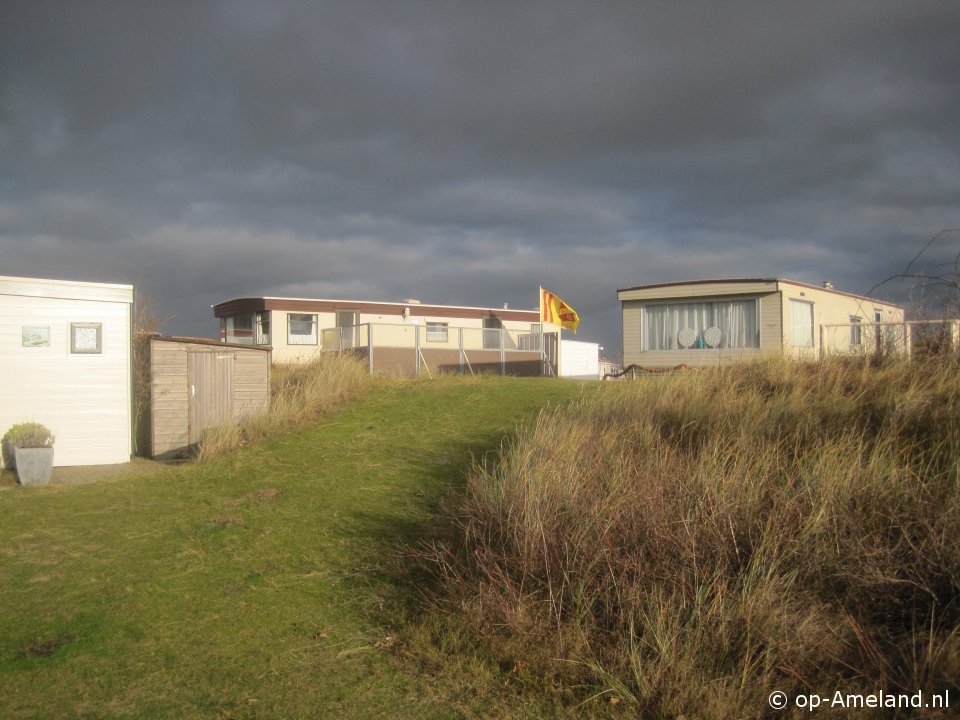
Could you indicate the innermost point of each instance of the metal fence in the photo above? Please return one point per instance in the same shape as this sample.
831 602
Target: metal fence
436 347
909 338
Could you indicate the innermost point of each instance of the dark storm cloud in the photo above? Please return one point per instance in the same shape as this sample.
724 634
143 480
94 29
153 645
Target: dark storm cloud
466 152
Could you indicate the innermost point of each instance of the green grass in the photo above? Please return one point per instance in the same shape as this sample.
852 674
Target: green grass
265 583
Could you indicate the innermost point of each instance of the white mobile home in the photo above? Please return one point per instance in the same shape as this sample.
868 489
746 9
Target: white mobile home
395 337
65 353
706 322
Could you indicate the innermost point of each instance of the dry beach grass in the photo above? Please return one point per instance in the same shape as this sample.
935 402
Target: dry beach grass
697 541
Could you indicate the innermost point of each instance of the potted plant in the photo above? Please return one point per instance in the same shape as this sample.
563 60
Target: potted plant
31 446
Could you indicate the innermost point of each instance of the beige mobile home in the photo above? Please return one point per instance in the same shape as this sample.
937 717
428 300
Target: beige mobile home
706 322
65 353
395 337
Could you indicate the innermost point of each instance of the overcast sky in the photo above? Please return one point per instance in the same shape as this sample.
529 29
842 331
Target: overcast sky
465 153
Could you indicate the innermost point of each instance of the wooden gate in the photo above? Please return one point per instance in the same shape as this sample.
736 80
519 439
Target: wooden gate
210 387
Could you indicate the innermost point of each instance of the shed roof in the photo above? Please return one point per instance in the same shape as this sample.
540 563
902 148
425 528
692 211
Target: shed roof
65 289
203 341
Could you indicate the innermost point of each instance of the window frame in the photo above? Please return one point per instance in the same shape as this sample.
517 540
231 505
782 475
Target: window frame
244 335
644 341
259 325
347 311
856 331
793 326
314 335
435 327
492 324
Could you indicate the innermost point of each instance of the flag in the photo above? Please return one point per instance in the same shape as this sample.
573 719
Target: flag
555 311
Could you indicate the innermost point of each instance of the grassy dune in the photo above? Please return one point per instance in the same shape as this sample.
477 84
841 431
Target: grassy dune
263 583
692 543
299 395
674 546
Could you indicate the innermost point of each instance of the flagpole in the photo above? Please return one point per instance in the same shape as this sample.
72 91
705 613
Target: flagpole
541 340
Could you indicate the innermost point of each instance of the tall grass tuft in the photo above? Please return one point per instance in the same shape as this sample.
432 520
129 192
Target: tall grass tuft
694 542
299 393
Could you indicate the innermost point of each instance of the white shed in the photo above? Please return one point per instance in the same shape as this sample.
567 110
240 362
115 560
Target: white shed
580 360
65 361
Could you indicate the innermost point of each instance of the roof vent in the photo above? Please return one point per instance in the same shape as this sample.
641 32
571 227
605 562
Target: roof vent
828 285
411 301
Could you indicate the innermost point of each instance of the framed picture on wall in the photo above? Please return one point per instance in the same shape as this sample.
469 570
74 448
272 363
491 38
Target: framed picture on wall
34 336
86 338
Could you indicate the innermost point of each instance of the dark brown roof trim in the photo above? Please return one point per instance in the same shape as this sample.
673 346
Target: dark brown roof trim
240 306
249 305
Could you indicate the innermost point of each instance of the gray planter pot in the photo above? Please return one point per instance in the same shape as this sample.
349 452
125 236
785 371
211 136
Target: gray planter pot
34 465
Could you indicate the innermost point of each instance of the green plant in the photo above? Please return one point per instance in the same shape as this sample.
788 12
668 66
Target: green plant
29 435
24 435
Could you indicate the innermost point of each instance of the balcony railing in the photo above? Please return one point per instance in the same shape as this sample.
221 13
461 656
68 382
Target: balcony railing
459 348
907 338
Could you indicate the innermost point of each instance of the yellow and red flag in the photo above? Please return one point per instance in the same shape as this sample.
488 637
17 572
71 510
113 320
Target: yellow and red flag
555 311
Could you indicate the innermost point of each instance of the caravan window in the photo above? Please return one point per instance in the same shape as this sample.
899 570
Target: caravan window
701 325
801 323
437 331
301 329
856 334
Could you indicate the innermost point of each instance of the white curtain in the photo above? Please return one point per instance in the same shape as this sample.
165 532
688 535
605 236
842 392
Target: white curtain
737 320
301 329
240 329
664 323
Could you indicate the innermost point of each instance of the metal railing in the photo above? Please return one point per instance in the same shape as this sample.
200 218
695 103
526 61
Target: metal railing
457 349
906 338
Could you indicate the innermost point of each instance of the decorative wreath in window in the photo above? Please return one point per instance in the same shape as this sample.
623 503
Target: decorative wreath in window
687 337
712 336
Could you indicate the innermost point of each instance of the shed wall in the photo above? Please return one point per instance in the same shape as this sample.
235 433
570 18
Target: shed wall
169 396
169 411
85 399
580 360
